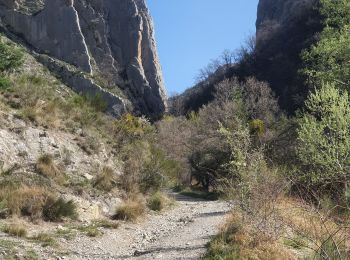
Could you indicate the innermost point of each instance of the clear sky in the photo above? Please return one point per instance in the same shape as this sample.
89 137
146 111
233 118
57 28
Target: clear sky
190 33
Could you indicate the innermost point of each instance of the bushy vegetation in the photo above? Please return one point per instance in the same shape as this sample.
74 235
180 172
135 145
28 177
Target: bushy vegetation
324 141
10 56
158 201
328 59
56 209
33 202
146 167
243 147
235 241
223 140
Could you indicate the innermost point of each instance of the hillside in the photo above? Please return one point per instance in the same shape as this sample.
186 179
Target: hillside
93 45
283 30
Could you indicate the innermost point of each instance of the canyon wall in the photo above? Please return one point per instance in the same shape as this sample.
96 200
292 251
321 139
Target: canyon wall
283 29
104 45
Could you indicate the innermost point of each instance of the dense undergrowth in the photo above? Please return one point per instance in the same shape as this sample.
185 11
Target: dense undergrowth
288 174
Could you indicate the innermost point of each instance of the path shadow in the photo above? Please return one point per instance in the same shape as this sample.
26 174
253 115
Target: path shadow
178 250
212 214
189 198
183 198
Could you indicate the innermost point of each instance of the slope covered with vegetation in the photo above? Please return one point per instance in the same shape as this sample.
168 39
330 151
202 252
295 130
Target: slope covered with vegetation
288 174
64 161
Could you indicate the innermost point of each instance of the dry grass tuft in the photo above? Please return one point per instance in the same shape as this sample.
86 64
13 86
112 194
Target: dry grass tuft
15 229
105 223
35 203
44 239
159 201
131 210
322 234
105 179
90 230
46 166
292 229
237 241
23 200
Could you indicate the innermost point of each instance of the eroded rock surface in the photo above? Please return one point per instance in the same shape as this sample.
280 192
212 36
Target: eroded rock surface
284 29
110 41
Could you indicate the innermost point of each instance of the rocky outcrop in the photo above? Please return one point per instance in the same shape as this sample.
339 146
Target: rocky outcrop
284 29
109 41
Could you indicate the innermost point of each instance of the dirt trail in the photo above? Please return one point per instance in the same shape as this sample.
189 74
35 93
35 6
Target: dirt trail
179 233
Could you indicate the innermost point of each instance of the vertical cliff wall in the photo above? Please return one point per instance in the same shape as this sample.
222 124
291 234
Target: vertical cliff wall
284 29
107 43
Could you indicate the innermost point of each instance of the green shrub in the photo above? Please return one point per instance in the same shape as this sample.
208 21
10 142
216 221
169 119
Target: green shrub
156 171
134 156
90 230
227 244
10 57
327 60
158 201
324 140
56 209
104 223
44 239
97 102
146 168
257 127
4 83
129 128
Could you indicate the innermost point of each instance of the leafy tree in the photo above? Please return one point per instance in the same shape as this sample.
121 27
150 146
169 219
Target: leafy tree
335 12
324 139
329 59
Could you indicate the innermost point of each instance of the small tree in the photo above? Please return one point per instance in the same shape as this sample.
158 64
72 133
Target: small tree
328 59
324 139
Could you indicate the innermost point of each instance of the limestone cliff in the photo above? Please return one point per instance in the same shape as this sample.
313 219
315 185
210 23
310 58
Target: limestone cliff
284 29
96 46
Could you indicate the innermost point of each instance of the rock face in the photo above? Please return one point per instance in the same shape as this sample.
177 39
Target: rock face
284 29
109 42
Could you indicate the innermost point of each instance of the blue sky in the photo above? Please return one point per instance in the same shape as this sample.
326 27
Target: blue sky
190 33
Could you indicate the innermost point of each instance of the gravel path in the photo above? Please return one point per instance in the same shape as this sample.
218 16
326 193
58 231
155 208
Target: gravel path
179 233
